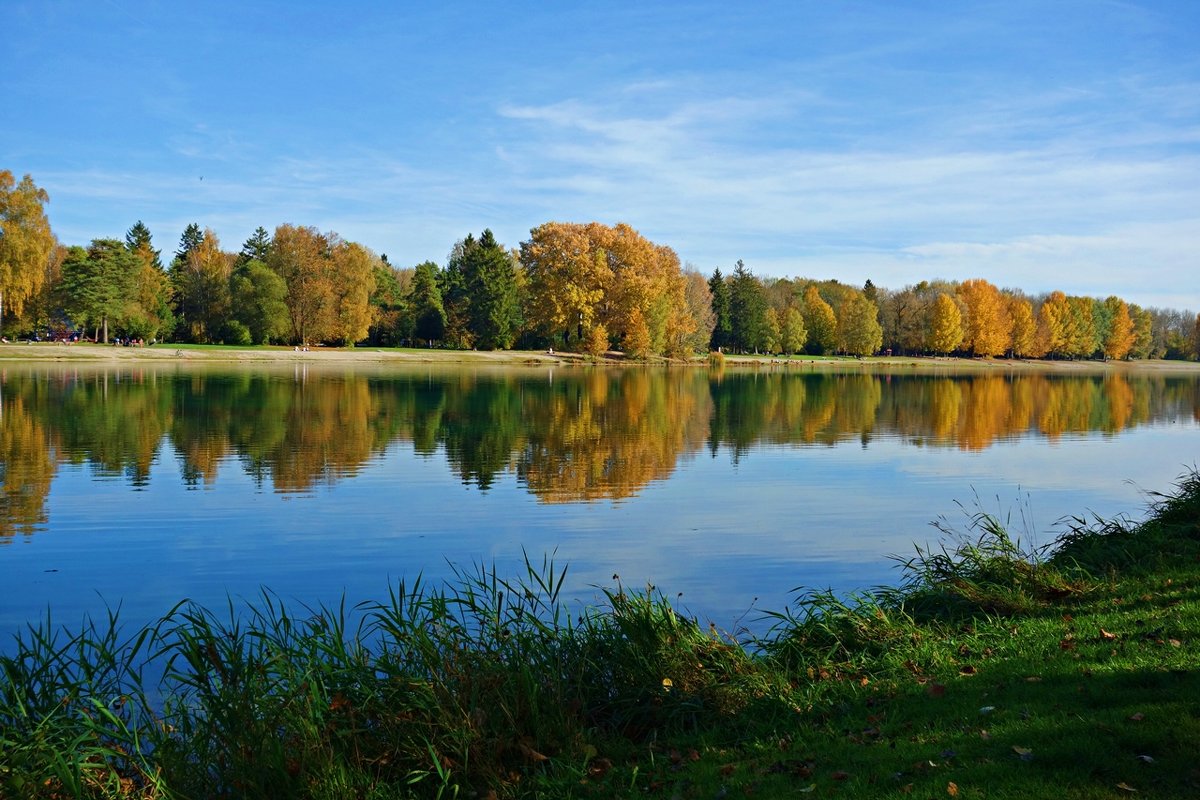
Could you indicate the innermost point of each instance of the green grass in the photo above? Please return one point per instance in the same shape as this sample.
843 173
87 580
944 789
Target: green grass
989 671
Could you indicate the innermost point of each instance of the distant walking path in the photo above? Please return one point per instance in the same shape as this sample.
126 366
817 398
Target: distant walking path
47 351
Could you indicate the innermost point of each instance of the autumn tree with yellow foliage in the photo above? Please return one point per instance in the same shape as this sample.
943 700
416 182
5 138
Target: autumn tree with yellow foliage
793 334
945 325
1023 330
352 279
858 329
1053 320
203 285
987 328
329 284
566 277
1119 338
579 276
298 256
25 241
150 314
820 322
1082 339
588 286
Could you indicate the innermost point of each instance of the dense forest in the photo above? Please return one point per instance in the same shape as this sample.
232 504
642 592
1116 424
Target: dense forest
588 288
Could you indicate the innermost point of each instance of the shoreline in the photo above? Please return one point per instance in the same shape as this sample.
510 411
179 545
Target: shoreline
91 353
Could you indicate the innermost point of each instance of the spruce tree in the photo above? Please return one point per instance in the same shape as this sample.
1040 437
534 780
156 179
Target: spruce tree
456 294
138 242
747 309
256 247
184 311
479 292
425 300
492 281
722 335
189 241
96 284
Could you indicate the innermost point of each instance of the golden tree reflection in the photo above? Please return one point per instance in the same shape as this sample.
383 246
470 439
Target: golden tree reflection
569 435
609 436
27 466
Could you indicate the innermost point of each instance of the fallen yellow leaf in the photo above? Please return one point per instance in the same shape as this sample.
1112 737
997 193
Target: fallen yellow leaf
531 754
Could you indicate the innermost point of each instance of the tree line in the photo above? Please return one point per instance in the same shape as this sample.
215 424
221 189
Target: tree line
968 318
588 287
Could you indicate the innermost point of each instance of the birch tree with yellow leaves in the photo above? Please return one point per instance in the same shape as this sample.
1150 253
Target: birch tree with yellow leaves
352 279
859 332
203 284
1053 319
820 322
1082 340
1023 331
1118 339
25 241
987 327
945 325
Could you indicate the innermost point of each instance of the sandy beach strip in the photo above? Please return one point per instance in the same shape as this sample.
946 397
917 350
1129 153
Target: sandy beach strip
97 353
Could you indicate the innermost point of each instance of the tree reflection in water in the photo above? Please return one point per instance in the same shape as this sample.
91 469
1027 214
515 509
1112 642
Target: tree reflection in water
581 434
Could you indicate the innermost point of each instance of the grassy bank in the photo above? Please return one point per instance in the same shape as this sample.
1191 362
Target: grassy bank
987 672
194 354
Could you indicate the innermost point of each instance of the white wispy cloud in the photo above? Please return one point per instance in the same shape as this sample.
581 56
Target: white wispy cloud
896 144
1082 205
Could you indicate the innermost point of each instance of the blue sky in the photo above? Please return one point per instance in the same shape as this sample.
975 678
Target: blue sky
1044 145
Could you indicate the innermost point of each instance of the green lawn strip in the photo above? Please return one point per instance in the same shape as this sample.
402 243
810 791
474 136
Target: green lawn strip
1097 695
1077 704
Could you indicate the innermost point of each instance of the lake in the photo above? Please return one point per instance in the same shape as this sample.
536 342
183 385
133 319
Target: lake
140 486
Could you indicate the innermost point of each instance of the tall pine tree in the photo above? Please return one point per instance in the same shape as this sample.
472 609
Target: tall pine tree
491 277
256 247
747 309
722 335
185 311
425 300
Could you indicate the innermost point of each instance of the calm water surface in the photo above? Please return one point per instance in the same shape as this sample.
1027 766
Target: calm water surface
139 487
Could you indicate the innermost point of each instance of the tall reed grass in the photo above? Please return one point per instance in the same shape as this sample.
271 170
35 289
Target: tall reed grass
483 685
472 685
